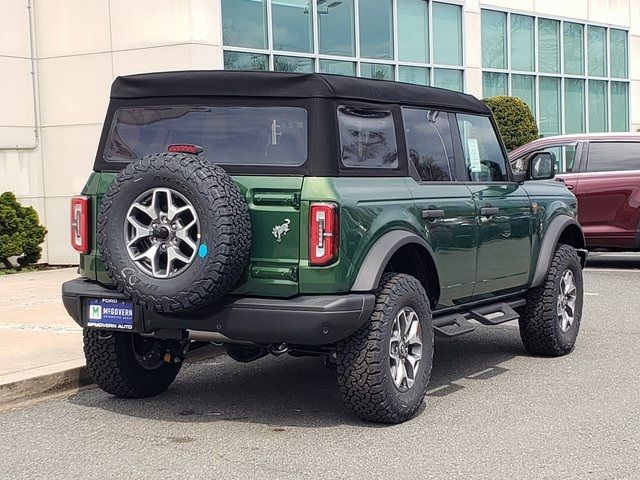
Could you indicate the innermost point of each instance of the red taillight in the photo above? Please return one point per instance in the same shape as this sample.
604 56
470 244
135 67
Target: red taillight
80 223
323 233
185 148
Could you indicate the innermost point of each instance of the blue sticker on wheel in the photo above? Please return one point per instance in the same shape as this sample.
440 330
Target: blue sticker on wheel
109 313
202 251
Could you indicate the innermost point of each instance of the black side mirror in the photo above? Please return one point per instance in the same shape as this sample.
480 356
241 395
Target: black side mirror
542 166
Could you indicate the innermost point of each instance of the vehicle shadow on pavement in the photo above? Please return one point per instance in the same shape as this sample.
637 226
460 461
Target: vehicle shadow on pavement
616 260
298 392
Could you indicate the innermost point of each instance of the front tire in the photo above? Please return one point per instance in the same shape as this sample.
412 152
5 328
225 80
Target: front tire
550 321
127 365
384 367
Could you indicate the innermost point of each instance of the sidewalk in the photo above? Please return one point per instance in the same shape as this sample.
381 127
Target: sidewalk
37 336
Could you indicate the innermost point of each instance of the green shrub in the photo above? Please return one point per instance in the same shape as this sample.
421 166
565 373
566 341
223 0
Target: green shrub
515 120
20 232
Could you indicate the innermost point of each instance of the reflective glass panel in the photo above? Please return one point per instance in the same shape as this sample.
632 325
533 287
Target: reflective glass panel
597 49
598 106
573 48
376 70
244 23
494 39
445 78
619 107
522 55
336 27
292 64
292 25
245 61
376 29
494 84
447 34
574 105
524 87
338 67
417 75
548 45
549 117
413 31
619 53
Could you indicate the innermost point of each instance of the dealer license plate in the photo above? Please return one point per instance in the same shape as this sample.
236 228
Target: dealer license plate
109 313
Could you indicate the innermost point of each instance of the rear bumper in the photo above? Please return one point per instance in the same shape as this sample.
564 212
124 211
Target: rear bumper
302 320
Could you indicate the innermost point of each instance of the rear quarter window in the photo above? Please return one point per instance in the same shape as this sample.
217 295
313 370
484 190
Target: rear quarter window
367 137
613 156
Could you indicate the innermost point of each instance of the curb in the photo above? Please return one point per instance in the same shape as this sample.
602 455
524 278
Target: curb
71 380
14 393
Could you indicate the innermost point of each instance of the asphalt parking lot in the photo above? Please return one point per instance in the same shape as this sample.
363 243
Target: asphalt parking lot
492 412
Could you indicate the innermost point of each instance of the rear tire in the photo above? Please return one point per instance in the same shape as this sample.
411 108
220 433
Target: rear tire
365 361
550 321
115 361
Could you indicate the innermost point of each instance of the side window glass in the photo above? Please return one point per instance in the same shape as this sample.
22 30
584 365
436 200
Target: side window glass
429 145
565 157
367 137
482 153
610 156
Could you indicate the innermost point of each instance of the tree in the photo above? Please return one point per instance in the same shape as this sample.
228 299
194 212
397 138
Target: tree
20 232
515 120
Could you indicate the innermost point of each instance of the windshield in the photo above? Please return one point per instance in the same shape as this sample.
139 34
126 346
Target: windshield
228 135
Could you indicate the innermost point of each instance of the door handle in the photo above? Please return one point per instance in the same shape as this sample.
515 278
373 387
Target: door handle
488 211
430 214
570 187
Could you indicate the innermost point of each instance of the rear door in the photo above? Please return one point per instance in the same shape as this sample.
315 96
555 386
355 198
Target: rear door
503 210
444 203
608 194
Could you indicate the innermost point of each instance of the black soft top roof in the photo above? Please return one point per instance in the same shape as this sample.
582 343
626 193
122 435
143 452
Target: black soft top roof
219 83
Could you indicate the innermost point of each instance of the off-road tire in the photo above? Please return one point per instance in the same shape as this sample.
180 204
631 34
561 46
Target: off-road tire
364 376
539 327
112 363
225 228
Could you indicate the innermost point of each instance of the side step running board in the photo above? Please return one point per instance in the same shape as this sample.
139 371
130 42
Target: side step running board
455 324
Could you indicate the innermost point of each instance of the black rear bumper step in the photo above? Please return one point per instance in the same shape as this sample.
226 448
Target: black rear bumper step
455 324
302 320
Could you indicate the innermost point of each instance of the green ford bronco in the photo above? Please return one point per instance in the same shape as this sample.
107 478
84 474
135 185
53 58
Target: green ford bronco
313 215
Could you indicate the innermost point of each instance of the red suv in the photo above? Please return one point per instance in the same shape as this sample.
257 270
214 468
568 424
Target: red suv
603 171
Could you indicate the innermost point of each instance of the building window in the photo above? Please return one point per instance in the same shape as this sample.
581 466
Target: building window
574 76
415 41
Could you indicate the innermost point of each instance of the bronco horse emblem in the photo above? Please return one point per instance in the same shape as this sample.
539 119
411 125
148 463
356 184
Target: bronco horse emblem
280 230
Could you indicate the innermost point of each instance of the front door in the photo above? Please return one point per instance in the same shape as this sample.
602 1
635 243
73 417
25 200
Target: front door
444 205
503 210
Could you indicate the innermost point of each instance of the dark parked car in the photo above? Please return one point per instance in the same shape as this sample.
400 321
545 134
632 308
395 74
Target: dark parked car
603 171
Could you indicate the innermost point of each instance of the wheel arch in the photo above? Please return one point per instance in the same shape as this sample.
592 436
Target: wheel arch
401 252
562 229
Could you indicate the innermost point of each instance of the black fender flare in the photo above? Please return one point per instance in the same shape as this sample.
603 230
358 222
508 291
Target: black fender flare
379 254
551 239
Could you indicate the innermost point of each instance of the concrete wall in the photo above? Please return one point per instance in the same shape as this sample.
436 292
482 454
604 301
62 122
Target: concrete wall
81 46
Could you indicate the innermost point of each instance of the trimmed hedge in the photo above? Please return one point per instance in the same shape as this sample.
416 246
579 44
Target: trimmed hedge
20 232
515 120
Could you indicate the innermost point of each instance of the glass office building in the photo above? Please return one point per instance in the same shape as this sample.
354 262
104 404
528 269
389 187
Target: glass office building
406 40
574 74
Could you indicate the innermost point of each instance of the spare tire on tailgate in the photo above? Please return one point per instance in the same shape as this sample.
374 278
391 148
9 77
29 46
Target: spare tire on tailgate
174 232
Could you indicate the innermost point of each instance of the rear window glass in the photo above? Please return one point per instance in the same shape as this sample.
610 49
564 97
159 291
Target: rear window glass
610 156
228 135
367 138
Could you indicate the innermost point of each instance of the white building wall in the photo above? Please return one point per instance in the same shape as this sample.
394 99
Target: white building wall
82 45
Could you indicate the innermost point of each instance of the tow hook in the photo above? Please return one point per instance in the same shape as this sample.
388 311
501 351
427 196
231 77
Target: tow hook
277 349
